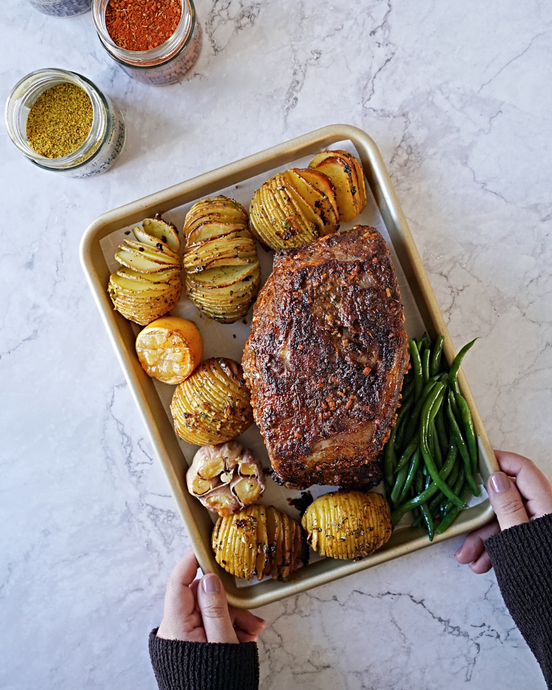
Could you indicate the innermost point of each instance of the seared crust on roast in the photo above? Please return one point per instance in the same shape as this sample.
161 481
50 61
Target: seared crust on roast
326 358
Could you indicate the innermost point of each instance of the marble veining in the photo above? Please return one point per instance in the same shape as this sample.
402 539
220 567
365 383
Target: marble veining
456 96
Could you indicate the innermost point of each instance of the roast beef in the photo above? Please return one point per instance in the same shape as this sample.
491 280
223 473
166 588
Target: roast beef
325 360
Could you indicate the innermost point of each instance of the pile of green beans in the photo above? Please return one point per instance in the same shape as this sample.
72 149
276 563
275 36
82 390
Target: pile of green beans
431 457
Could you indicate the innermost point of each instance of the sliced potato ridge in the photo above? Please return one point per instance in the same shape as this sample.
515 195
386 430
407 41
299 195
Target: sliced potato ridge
142 301
293 208
148 283
347 176
259 541
157 277
220 260
159 253
212 405
348 524
163 231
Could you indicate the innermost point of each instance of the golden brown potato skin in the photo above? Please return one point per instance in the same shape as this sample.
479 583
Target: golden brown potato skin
326 358
348 524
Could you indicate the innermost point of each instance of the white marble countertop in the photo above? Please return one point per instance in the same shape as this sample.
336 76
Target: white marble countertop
456 95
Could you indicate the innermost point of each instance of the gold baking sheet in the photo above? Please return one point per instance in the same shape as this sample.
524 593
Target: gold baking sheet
238 180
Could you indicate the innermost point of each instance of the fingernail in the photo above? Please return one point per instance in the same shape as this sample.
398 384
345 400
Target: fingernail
500 482
210 584
457 552
261 620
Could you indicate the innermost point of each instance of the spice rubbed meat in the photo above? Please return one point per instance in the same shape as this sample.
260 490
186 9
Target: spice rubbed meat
326 358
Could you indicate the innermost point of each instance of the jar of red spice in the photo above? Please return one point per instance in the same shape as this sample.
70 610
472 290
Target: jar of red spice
155 41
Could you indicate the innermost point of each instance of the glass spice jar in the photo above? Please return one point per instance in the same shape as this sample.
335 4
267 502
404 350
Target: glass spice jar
166 64
62 8
103 144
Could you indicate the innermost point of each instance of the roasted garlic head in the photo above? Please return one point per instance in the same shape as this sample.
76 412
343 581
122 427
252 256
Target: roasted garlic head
225 477
348 524
259 541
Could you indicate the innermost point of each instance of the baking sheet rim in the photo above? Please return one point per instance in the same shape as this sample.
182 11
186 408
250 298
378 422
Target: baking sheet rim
202 185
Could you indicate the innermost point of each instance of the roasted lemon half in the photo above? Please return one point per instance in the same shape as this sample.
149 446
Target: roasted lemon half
169 349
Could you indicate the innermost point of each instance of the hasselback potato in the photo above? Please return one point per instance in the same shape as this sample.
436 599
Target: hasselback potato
293 208
348 524
212 405
259 541
347 177
148 284
220 260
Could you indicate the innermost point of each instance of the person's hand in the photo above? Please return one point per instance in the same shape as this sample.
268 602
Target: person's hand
197 610
518 494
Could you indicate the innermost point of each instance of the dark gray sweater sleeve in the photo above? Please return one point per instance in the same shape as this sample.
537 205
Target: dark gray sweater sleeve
204 666
522 559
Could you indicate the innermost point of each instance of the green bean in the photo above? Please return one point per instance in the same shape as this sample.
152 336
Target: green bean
455 366
412 470
441 430
387 489
425 365
424 495
469 428
407 390
435 507
453 473
429 410
399 484
423 342
436 406
434 445
417 366
407 453
458 487
435 503
428 520
402 421
413 422
447 520
456 434
451 515
419 482
390 458
436 354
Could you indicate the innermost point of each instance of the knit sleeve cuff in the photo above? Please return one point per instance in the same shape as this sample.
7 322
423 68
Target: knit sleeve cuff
529 543
522 559
204 666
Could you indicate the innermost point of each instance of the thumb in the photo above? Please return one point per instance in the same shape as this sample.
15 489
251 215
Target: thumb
506 501
212 602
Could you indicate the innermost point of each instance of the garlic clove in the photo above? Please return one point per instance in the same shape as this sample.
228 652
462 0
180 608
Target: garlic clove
200 486
247 469
247 490
226 477
210 466
220 500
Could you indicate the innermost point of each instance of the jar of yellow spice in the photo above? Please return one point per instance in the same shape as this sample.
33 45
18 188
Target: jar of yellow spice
62 122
